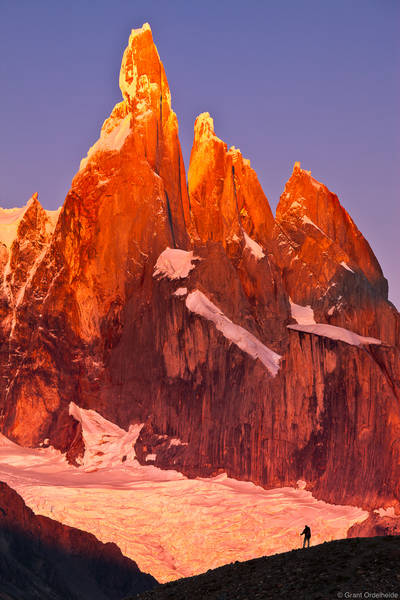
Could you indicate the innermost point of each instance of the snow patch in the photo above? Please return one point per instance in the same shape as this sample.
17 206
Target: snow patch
52 215
176 442
336 333
307 221
10 218
105 443
199 304
174 263
182 291
346 266
301 485
386 512
109 140
151 457
304 315
254 248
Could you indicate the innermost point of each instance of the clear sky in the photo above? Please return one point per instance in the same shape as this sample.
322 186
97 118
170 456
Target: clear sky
285 80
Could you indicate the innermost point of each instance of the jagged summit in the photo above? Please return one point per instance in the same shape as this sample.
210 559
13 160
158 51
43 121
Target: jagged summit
142 78
13 220
204 128
226 196
83 317
321 213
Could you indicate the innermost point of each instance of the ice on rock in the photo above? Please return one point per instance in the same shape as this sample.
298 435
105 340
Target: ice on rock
304 315
175 264
307 221
182 291
346 266
335 333
254 248
199 304
110 140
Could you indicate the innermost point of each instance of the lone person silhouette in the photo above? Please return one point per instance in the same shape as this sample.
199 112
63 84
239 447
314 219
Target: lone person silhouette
307 536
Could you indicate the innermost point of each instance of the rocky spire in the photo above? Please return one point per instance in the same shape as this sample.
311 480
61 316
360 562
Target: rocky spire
143 128
307 199
225 194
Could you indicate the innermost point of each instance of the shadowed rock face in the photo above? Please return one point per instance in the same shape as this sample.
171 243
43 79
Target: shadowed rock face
375 525
41 559
112 320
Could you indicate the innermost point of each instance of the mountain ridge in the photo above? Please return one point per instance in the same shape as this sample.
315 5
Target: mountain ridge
329 570
98 325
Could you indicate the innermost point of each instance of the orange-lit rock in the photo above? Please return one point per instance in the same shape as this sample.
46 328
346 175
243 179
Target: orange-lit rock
24 238
225 194
229 206
127 203
328 264
152 309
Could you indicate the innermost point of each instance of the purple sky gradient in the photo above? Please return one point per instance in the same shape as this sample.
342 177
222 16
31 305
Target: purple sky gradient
310 80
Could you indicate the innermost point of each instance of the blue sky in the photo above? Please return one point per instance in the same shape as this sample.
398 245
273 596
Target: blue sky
315 81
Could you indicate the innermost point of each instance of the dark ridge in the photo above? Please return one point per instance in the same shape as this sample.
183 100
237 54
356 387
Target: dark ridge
350 568
41 559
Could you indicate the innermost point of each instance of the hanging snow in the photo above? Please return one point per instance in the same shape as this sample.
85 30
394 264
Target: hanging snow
254 248
109 140
335 333
174 264
304 315
346 266
182 291
199 304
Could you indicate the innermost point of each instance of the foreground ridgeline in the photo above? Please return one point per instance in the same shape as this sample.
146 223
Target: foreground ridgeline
40 558
357 568
266 345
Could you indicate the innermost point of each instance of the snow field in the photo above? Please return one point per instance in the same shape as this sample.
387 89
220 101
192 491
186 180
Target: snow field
170 525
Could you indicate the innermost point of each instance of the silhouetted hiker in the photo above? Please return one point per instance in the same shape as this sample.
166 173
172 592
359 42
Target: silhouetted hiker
307 535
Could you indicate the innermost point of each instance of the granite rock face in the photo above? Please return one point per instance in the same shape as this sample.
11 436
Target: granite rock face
177 309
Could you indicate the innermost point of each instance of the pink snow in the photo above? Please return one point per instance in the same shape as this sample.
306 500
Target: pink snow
199 304
174 263
304 315
336 333
170 525
254 248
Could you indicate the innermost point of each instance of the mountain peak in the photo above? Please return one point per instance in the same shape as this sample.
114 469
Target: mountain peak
10 219
204 128
141 69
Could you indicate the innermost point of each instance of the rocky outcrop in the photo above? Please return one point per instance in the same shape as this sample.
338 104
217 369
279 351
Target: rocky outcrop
229 207
180 312
25 235
327 263
42 559
225 195
375 525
